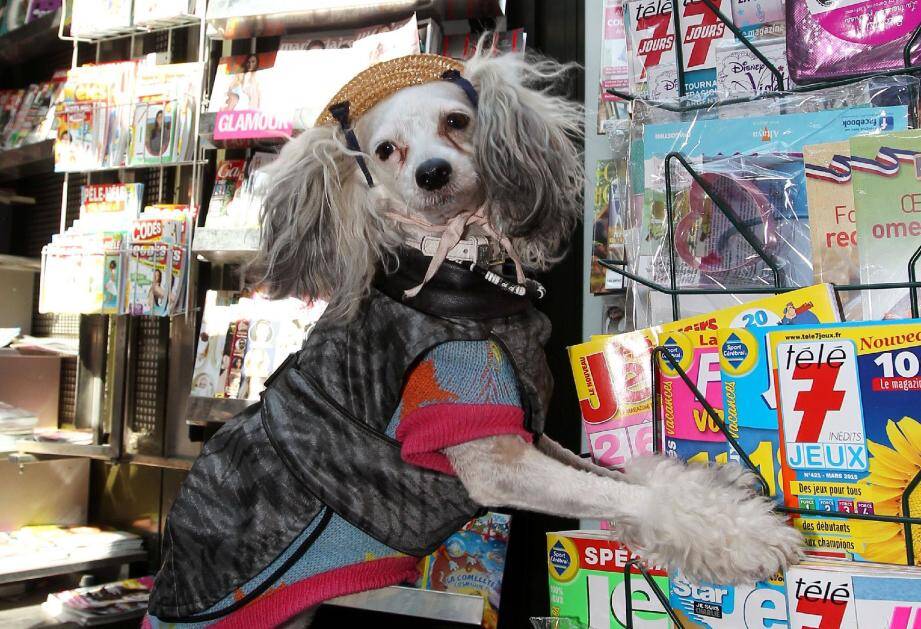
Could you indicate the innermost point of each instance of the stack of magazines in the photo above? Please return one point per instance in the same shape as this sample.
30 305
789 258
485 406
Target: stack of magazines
100 604
15 424
33 547
27 115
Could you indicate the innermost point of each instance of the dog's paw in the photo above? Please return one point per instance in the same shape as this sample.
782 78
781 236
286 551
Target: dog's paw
706 522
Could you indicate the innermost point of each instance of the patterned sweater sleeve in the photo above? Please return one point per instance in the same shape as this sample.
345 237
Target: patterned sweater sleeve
460 391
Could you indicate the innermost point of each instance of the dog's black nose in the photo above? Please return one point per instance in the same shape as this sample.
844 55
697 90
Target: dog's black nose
433 174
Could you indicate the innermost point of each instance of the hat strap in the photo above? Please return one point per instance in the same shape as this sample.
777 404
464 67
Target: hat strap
340 111
454 76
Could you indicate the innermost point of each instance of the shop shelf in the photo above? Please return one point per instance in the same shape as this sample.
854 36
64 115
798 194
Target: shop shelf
406 601
76 562
172 463
31 40
202 411
225 245
128 31
104 169
292 16
29 159
19 263
53 448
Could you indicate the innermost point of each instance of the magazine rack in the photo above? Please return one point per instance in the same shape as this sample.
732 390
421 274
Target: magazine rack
660 354
136 358
783 88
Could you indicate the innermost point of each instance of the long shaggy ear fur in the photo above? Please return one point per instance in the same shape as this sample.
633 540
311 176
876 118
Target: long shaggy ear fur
320 235
526 151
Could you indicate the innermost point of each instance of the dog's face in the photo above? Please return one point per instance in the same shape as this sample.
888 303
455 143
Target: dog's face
432 155
421 146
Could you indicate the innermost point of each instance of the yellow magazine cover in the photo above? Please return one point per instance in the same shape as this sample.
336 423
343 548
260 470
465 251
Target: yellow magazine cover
850 434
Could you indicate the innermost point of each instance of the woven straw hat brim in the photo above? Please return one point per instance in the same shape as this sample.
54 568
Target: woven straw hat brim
376 83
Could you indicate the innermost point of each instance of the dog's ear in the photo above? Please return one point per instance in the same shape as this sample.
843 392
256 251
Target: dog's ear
320 237
527 150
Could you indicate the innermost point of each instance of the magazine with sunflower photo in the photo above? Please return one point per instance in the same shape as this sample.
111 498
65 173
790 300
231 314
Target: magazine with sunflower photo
850 434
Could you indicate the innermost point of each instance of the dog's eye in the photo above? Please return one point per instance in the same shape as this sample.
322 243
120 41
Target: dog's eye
458 120
384 150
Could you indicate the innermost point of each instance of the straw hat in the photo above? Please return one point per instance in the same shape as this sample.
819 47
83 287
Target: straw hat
373 85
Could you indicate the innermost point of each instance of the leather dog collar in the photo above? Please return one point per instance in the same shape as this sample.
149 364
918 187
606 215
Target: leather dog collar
455 292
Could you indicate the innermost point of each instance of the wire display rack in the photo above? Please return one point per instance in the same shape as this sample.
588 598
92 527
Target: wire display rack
783 87
674 291
661 354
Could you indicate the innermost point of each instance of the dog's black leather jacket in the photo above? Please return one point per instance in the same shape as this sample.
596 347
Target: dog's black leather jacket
317 439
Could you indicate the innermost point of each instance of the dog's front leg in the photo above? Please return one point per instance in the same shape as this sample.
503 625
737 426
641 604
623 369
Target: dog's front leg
555 451
706 522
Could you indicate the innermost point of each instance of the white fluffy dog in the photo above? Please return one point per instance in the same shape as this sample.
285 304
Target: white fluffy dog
512 161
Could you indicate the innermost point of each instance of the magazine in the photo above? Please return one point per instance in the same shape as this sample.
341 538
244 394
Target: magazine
652 65
93 115
587 583
227 182
614 69
705 605
471 561
847 398
239 190
110 206
608 237
887 198
848 596
100 604
164 110
832 220
740 73
701 33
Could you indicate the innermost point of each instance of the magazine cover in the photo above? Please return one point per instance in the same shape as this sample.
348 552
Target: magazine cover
759 18
242 209
110 206
849 427
740 73
614 386
209 367
149 279
690 433
650 32
162 123
712 606
615 71
887 197
848 596
472 561
701 33
10 101
587 583
608 232
833 220
227 181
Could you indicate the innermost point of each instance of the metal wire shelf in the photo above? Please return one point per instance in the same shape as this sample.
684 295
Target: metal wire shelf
674 291
783 90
